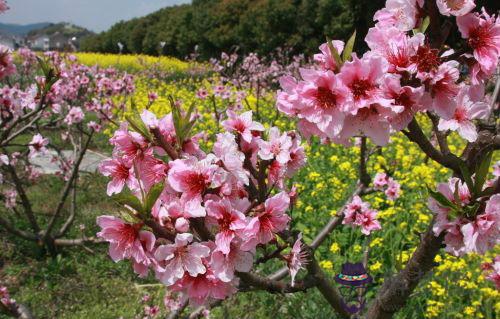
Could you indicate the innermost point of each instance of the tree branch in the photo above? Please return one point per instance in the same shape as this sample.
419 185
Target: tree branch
28 211
17 232
78 241
395 291
67 188
416 135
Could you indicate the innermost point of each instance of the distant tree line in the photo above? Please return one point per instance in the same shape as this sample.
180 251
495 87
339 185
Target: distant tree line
251 25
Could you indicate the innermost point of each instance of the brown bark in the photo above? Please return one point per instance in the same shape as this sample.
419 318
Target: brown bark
393 295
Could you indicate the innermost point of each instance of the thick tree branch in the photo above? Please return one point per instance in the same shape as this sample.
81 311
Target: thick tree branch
396 291
416 135
329 291
17 232
274 286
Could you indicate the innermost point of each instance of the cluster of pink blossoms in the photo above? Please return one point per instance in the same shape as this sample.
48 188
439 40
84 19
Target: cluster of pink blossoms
225 193
465 234
380 93
359 213
78 92
392 187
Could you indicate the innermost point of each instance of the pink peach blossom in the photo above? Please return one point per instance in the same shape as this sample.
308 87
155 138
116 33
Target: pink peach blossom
130 145
323 99
444 89
204 286
325 58
393 190
403 14
483 233
455 7
242 124
121 174
482 32
229 221
180 257
296 259
125 239
193 178
262 228
75 115
226 149
278 146
380 180
358 213
465 111
37 145
224 265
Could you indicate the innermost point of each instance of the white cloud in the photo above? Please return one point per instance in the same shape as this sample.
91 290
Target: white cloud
96 15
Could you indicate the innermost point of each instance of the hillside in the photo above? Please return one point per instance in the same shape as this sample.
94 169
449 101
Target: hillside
66 29
223 25
21 29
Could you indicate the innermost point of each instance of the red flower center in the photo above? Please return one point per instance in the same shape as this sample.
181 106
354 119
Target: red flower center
121 171
266 222
399 57
404 99
426 59
325 98
460 114
196 182
239 126
129 233
479 37
226 220
360 88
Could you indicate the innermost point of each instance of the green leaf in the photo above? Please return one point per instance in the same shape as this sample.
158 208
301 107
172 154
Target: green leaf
471 211
466 175
482 173
335 53
152 196
425 24
128 199
346 55
138 126
441 199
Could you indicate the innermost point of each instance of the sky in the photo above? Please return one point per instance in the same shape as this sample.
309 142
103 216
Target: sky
95 15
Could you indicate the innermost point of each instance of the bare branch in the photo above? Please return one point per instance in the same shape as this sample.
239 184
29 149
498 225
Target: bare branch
78 241
67 187
28 211
415 134
364 178
329 291
72 213
13 230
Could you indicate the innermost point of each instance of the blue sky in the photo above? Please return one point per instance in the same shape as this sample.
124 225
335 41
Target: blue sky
96 15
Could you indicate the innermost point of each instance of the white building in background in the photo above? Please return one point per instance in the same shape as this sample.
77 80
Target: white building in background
40 42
